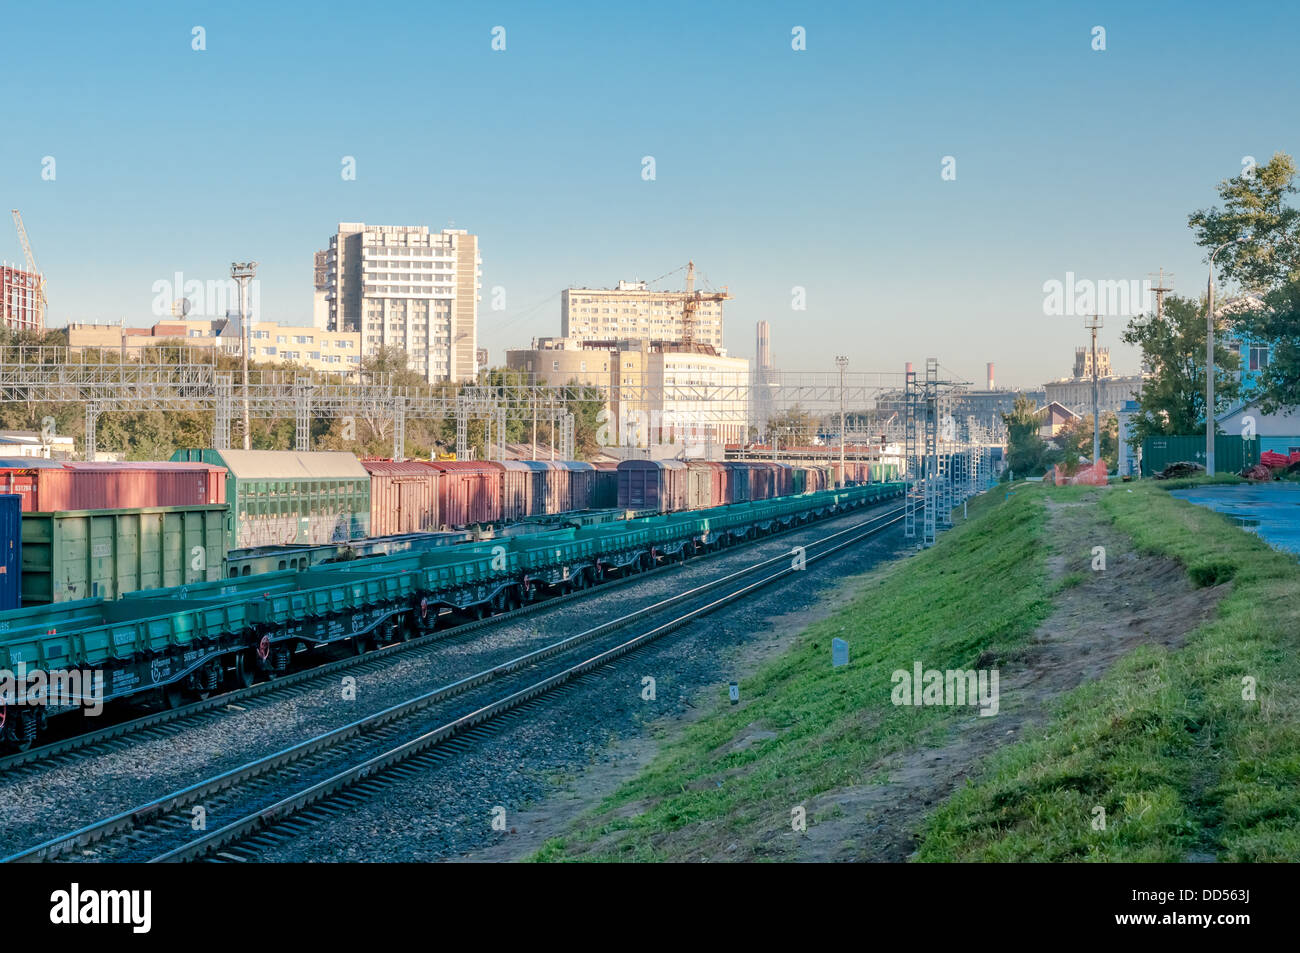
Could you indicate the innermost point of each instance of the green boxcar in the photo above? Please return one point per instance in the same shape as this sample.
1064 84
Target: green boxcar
1232 454
280 497
87 554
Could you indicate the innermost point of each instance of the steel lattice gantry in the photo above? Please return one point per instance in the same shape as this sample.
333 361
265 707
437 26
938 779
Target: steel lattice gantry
186 380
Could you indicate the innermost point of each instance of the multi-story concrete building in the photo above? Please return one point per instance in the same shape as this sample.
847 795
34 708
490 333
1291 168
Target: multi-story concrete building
658 392
632 310
1076 393
270 342
406 287
20 299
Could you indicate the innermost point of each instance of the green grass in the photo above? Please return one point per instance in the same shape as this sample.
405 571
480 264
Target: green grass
1183 765
978 593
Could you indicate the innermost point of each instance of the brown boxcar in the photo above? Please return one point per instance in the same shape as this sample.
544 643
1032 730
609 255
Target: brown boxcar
706 482
516 490
580 476
403 497
550 487
468 492
110 486
659 485
738 481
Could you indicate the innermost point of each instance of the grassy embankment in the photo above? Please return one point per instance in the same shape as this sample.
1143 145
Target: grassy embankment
981 590
1183 764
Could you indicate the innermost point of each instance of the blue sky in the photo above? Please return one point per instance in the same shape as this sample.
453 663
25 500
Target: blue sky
774 168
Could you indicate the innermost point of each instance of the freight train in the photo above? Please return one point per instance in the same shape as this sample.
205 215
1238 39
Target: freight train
111 528
173 645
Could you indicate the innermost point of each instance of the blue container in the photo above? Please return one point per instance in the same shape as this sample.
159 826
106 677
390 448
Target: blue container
11 551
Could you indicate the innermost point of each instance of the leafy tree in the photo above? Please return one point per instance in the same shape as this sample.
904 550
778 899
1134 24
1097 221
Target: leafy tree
1028 454
1255 209
1075 439
1172 400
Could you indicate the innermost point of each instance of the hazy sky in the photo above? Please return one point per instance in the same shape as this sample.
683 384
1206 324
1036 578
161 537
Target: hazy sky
774 168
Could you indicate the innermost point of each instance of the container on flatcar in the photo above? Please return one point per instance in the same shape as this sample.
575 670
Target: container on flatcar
403 497
11 551
468 492
49 487
659 485
85 554
281 496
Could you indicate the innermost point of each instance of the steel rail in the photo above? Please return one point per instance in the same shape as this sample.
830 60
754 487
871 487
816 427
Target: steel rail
154 719
132 818
283 808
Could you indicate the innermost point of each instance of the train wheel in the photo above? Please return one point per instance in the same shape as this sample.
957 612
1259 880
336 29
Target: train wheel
245 671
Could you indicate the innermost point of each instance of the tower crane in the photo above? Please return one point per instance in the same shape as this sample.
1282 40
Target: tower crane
693 301
32 267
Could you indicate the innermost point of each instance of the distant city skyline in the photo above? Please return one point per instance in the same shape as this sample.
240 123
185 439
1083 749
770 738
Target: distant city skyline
812 175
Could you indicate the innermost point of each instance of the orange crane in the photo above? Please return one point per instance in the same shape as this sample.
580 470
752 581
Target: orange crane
692 304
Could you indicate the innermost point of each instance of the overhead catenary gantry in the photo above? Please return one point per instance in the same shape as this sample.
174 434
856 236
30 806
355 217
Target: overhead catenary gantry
186 380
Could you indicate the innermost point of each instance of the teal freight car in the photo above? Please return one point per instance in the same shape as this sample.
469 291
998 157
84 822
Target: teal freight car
172 645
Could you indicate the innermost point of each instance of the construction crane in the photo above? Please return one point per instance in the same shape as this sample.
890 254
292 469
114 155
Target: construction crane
32 267
692 304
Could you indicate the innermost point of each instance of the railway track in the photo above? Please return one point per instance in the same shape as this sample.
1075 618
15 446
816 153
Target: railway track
282 794
171 722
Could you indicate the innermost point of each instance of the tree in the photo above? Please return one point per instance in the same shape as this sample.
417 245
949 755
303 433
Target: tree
1028 454
1255 209
1075 439
1172 400
1267 262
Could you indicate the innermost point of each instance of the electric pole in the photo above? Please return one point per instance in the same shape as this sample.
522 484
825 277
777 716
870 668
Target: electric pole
243 272
1093 324
1160 291
842 362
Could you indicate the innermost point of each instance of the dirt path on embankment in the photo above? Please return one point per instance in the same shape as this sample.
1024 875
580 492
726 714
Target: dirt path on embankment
1135 600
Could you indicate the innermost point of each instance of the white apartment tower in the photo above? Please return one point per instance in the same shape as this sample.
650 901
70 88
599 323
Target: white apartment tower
404 286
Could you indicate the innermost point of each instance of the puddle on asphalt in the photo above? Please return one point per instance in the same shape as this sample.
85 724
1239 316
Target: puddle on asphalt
1270 510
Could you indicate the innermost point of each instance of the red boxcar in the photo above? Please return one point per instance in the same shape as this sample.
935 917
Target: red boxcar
762 480
109 486
659 485
783 474
403 497
468 492
516 490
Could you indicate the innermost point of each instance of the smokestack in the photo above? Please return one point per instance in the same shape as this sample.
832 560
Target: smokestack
909 367
990 375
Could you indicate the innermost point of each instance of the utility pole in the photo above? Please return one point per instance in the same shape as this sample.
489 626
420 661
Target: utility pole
1093 324
1160 291
1209 359
242 272
842 362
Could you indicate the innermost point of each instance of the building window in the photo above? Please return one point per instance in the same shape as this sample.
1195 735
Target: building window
1258 358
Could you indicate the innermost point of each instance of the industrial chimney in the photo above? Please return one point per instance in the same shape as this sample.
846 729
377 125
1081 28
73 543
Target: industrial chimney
909 367
990 375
